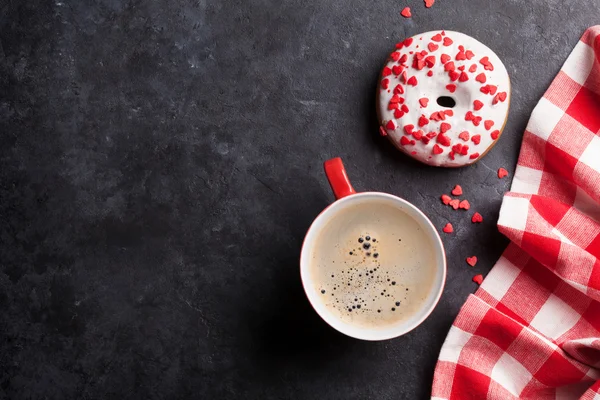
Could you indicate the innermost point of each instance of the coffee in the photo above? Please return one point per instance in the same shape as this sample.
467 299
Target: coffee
373 265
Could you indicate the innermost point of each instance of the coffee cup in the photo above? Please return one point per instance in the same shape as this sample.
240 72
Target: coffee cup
373 266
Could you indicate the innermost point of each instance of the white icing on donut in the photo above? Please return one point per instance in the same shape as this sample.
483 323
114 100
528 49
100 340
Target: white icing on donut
412 85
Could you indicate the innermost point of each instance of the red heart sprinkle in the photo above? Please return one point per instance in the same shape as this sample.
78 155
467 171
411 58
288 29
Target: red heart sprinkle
476 120
399 89
406 14
437 38
404 108
404 76
463 77
432 46
449 112
476 218
451 88
391 125
464 205
382 131
393 106
449 66
429 73
481 78
395 56
454 75
437 149
499 97
399 45
404 141
477 105
418 134
425 139
397 70
443 140
431 135
384 83
448 228
485 89
395 99
472 261
423 101
444 127
447 41
419 64
445 58
495 134
412 81
423 120
473 68
488 123
403 59
464 135
398 113
429 3
408 129
451 155
430 61
457 191
469 116
414 153
478 279
474 156
435 116
446 199
408 41
502 173
469 54
461 56
454 204
457 148
461 68
492 89
476 139
386 71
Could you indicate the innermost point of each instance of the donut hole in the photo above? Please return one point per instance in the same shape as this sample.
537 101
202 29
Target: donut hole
446 101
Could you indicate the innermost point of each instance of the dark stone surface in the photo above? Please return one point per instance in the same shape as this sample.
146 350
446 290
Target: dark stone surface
160 162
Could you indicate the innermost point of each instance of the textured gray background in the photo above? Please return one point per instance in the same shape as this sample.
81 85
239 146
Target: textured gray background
160 162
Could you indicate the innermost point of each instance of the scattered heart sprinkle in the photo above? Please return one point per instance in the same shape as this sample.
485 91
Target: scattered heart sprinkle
457 191
446 199
429 3
464 205
448 228
472 261
476 218
502 173
455 203
478 279
406 12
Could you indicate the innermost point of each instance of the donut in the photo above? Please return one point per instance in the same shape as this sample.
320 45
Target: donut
443 98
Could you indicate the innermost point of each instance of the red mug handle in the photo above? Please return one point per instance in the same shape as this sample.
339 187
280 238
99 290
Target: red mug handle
338 179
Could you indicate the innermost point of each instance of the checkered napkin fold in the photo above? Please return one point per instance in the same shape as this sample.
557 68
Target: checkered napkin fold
532 330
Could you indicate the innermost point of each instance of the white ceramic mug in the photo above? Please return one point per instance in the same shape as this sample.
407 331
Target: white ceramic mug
346 197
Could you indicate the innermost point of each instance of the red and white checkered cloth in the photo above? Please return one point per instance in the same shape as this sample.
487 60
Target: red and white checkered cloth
532 330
